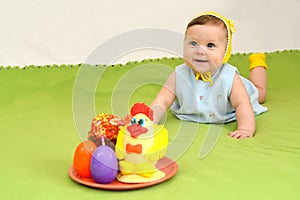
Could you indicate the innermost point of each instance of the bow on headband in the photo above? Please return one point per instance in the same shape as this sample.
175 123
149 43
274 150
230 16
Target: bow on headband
231 26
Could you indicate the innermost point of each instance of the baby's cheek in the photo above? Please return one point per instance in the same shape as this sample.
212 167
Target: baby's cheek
188 56
188 63
216 61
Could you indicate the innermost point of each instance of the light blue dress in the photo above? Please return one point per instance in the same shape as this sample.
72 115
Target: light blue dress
197 101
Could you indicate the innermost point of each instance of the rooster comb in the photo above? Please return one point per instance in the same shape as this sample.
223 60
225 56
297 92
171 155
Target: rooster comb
142 108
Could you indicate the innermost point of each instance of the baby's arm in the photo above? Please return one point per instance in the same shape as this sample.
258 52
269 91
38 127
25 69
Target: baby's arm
164 98
244 112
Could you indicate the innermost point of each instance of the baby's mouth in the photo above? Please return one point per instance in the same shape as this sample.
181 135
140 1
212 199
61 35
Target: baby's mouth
200 61
201 65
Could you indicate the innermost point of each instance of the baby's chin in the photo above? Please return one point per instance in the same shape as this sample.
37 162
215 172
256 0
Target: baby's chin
200 67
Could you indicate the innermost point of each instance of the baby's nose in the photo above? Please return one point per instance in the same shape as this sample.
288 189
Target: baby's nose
201 50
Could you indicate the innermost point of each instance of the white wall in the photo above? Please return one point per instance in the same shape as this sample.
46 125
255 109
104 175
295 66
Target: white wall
66 31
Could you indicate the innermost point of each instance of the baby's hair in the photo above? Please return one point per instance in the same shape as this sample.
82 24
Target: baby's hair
205 19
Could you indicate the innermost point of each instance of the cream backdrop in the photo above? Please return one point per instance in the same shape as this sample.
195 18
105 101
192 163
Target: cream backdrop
66 31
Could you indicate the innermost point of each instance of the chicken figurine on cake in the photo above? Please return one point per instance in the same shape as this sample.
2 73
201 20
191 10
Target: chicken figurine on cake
140 144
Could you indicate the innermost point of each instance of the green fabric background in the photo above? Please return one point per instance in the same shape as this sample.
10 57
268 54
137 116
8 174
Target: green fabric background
38 137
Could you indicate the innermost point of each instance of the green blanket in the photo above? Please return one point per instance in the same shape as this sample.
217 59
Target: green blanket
41 125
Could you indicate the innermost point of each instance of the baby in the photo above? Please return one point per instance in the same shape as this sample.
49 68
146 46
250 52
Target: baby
206 89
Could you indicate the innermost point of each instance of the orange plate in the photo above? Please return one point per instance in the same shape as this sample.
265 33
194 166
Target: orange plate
165 164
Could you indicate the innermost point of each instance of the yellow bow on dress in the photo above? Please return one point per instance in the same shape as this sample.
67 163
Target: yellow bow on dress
206 77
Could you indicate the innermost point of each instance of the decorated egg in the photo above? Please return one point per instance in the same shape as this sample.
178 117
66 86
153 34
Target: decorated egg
104 165
82 158
104 124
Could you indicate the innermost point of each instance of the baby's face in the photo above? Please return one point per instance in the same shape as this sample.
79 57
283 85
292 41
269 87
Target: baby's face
204 47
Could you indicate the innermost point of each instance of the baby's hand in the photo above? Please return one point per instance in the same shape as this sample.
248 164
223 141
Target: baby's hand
241 133
125 121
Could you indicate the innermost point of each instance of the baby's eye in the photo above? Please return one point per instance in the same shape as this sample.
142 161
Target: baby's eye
193 43
210 45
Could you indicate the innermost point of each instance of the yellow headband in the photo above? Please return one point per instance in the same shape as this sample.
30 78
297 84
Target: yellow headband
230 29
